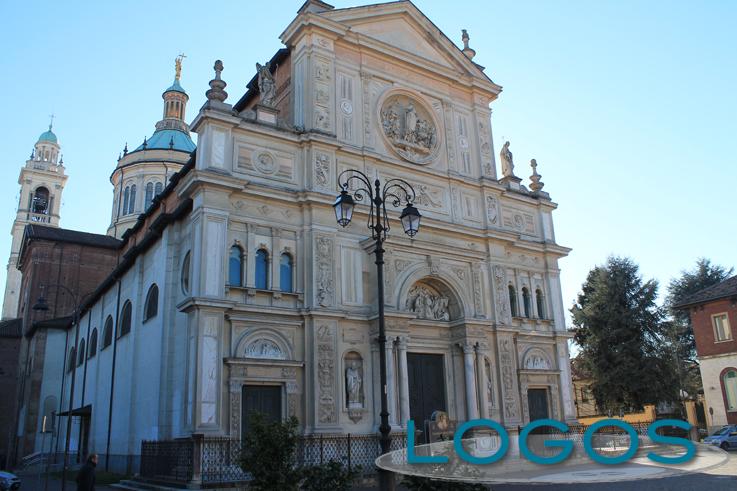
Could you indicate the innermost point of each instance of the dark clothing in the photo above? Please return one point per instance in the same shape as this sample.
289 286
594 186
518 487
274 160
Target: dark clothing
86 477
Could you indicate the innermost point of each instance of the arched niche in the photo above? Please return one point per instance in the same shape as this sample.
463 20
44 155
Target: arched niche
264 344
536 359
446 285
430 299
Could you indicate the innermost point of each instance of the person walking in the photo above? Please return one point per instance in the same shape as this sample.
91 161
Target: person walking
86 475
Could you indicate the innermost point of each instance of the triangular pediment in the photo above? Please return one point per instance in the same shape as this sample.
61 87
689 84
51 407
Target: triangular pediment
402 26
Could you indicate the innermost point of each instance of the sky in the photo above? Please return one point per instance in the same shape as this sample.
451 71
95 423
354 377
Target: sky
628 106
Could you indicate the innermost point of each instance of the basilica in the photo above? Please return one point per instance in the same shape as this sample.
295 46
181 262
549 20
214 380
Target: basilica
234 289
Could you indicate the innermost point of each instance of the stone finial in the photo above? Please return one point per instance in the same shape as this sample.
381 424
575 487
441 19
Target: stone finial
469 52
61 159
145 143
120 156
33 154
535 185
216 92
171 143
125 150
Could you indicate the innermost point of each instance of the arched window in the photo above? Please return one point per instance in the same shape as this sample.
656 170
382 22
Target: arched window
149 194
92 348
107 332
132 203
285 272
72 361
235 266
513 301
41 201
49 413
185 274
262 269
152 303
158 188
540 303
730 389
125 318
126 199
80 360
526 301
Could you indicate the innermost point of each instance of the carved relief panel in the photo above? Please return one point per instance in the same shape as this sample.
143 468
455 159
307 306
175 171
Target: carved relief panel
507 364
409 128
322 94
346 111
323 271
326 373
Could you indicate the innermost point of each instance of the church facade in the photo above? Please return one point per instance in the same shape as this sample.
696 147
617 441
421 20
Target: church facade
237 291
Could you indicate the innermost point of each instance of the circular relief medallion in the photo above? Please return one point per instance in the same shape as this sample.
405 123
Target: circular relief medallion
409 128
265 163
346 107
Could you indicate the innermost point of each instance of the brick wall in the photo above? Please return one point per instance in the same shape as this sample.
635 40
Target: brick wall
704 328
81 268
9 350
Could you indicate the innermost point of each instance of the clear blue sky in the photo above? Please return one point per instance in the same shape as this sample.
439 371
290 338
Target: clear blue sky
629 107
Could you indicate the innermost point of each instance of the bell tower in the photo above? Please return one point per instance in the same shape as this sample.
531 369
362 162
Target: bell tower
41 182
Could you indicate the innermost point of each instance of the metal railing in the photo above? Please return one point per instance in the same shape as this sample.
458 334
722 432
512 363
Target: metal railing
217 460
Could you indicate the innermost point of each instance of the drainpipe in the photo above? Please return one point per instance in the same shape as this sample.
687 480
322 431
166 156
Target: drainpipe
112 381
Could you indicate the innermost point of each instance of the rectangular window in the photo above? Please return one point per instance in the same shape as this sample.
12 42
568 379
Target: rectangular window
721 327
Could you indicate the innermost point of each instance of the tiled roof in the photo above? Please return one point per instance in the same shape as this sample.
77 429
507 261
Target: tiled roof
11 328
725 289
35 231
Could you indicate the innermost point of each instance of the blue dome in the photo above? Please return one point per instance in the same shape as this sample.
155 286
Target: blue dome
175 87
47 136
169 140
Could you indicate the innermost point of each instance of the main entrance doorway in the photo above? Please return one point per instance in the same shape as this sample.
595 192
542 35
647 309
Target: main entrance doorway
537 401
264 399
426 386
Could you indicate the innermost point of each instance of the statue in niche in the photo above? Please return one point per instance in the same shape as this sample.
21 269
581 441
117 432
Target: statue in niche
507 163
266 84
353 382
427 304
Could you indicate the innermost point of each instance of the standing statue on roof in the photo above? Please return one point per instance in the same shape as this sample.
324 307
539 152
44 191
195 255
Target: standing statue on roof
266 84
507 164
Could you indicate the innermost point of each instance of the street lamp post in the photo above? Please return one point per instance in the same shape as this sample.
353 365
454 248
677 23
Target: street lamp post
397 192
42 306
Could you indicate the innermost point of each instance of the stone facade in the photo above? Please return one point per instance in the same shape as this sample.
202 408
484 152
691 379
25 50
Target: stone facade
258 287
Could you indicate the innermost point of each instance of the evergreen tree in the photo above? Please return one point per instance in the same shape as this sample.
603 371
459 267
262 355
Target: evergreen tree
623 338
703 275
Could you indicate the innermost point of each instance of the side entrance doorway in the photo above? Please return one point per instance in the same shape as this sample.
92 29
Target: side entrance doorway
426 386
537 401
264 399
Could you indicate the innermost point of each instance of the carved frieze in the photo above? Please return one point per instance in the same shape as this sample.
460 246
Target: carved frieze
264 349
409 128
500 295
492 210
324 282
326 376
508 374
477 290
321 174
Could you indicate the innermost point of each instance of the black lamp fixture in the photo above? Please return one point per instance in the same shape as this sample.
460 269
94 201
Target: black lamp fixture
41 305
397 192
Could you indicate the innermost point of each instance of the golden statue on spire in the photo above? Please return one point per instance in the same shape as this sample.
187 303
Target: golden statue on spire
178 66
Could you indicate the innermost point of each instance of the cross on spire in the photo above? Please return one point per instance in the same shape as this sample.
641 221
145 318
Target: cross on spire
51 123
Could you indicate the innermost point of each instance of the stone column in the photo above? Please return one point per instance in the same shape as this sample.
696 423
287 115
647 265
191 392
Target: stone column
390 382
472 409
403 380
482 350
